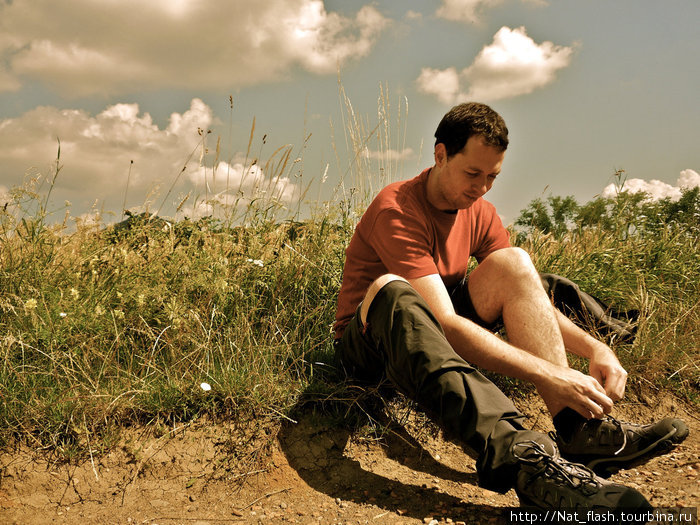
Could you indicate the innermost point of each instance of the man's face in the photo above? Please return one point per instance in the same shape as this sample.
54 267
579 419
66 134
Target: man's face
466 176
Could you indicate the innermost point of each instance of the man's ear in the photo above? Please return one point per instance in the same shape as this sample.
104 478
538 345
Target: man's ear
440 154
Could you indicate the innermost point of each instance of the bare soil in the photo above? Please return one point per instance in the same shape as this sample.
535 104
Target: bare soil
313 470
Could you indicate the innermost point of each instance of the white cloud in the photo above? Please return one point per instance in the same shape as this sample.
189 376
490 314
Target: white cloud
97 151
389 155
413 15
444 84
656 189
689 179
464 10
111 47
512 65
471 10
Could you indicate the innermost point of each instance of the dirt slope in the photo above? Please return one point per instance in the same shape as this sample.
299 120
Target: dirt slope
310 471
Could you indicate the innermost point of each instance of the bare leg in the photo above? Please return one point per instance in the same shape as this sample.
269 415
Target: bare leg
506 284
377 285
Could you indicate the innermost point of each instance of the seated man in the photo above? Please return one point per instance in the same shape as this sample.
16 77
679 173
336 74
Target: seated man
406 312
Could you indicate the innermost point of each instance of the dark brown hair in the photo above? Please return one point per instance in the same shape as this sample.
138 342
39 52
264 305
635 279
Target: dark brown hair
469 119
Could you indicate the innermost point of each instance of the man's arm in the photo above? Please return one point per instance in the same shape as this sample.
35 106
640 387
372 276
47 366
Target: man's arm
556 384
603 363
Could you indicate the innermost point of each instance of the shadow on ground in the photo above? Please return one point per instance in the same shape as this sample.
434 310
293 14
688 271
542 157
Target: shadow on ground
316 447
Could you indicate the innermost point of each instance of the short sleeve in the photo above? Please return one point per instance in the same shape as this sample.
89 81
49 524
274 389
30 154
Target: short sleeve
403 243
491 235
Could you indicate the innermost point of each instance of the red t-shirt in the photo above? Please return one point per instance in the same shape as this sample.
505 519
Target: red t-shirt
402 233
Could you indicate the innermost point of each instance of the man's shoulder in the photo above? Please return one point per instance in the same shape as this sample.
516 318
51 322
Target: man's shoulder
401 195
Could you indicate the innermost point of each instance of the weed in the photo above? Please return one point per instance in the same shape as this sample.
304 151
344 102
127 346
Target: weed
105 327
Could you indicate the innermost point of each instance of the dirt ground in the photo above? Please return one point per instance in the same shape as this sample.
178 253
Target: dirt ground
306 471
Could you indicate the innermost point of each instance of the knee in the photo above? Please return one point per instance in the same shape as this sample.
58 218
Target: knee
373 289
514 263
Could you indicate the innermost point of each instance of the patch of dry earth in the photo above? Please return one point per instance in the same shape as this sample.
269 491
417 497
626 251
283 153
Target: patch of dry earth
307 472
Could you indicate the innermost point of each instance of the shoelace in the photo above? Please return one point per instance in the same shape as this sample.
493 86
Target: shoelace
615 422
556 464
624 434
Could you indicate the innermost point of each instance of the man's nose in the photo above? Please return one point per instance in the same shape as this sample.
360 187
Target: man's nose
481 185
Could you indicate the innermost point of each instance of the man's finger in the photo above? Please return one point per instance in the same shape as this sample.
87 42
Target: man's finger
601 402
615 388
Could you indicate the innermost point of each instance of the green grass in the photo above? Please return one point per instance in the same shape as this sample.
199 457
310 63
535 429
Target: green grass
102 329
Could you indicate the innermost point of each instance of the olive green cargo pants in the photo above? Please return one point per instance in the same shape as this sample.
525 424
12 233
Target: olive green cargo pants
403 342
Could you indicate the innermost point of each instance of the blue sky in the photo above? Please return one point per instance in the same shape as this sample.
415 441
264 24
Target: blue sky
586 87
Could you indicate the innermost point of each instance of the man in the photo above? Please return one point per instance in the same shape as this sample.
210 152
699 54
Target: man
406 312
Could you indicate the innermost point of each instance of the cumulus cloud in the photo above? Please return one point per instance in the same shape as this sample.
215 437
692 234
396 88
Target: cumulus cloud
88 46
470 10
413 15
512 65
390 154
442 83
464 10
656 189
96 155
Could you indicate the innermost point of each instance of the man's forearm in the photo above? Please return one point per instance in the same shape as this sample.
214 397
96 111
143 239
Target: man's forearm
558 385
576 340
603 364
482 348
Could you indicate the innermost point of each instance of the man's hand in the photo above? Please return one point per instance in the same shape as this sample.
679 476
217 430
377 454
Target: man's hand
603 364
606 369
564 386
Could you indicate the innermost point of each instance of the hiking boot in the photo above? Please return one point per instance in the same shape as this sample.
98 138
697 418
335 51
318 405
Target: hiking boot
547 481
606 442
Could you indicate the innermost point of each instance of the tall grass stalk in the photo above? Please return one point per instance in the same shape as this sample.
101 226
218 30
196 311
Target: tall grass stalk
106 327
